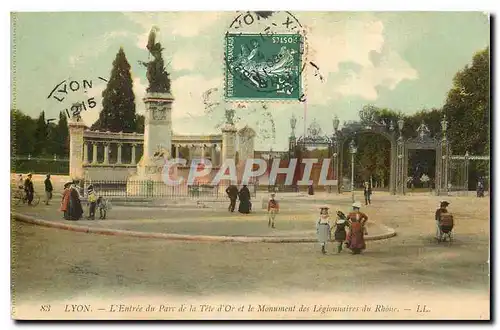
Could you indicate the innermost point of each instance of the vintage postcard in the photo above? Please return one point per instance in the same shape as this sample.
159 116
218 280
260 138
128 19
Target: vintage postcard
250 165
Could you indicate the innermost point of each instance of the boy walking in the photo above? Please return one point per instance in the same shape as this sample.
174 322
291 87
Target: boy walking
273 207
92 198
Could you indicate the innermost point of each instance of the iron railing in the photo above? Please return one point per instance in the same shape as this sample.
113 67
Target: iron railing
158 189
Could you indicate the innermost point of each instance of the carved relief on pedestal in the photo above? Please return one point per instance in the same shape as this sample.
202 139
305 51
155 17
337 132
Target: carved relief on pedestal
158 113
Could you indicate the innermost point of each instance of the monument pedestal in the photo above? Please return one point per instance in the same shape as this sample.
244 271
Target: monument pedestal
76 129
157 144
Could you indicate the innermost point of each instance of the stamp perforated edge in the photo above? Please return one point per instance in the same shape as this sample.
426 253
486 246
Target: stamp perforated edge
303 75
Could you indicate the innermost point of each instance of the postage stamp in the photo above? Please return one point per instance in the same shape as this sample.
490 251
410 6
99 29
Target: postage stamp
250 165
263 67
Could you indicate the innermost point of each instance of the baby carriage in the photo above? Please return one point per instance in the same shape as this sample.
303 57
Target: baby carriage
445 227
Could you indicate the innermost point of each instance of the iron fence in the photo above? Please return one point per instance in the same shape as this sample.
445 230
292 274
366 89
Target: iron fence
158 189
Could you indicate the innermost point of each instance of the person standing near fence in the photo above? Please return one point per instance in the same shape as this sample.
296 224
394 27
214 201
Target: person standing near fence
28 189
48 189
244 196
232 193
273 207
367 192
92 199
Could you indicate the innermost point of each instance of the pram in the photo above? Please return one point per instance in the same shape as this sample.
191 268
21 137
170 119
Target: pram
445 227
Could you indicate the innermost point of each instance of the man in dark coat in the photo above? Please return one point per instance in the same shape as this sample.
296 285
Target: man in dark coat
28 189
244 196
232 193
310 191
368 193
48 190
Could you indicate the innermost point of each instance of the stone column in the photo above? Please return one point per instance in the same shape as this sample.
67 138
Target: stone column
132 160
106 153
75 150
214 161
94 152
228 142
177 151
85 153
119 156
202 151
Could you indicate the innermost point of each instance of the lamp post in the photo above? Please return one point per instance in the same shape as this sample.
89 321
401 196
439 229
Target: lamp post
444 145
293 122
466 173
353 150
400 159
336 123
334 147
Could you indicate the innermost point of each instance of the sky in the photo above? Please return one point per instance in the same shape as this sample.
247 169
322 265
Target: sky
405 61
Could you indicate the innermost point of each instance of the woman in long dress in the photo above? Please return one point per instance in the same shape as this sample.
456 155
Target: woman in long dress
75 206
244 196
357 231
65 201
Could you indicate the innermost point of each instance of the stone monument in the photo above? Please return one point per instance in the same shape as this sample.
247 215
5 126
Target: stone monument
229 136
76 128
158 116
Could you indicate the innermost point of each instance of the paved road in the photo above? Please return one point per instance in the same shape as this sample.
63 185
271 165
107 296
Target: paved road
52 264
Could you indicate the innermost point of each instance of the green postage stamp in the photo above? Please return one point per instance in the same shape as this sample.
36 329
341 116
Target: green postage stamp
263 67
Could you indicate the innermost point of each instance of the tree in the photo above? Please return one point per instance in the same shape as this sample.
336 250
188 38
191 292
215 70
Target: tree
139 124
118 100
41 135
62 136
467 107
22 133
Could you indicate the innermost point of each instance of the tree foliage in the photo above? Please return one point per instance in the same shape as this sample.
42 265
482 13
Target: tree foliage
35 137
118 99
467 107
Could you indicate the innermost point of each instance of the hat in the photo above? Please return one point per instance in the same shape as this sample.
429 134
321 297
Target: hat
444 203
90 188
356 205
324 206
341 215
29 174
273 194
69 183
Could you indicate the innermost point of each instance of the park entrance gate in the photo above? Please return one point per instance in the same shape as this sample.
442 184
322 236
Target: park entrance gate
399 153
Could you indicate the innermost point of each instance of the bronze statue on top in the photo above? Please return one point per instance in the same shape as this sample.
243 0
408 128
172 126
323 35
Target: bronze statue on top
158 77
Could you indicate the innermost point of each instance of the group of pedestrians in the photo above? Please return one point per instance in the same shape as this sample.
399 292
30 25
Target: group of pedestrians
348 230
26 185
243 195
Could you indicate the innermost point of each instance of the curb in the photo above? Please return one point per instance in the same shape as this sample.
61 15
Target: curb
178 237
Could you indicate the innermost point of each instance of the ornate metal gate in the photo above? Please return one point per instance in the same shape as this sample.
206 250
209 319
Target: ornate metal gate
400 148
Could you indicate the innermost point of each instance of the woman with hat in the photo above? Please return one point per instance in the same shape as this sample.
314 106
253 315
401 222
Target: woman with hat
65 200
323 228
442 209
357 231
